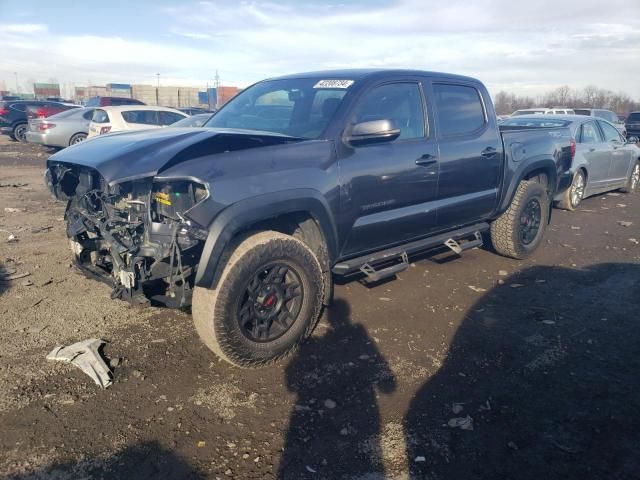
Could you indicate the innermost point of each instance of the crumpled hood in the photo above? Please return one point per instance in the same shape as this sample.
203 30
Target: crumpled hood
125 156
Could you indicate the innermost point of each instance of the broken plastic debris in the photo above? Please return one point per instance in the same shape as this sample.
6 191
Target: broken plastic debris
463 423
309 469
86 357
419 459
477 289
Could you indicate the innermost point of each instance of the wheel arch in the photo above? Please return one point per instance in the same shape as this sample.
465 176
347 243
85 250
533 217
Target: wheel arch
302 213
86 134
539 169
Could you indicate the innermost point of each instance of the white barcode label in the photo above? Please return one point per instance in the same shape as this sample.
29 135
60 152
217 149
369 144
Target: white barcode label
333 84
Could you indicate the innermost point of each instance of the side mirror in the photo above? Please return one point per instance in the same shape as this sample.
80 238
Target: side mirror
373 131
632 140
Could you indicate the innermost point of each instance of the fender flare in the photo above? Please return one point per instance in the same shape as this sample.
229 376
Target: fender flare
548 164
240 215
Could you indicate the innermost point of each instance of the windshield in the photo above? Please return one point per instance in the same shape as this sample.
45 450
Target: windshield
634 117
535 122
297 107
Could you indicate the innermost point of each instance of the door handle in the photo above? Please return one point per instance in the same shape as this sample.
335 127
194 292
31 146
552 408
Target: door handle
426 159
488 152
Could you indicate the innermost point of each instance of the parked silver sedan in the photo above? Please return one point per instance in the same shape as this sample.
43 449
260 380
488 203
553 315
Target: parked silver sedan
604 159
62 129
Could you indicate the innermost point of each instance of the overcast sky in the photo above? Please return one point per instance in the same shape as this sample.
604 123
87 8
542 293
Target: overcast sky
526 47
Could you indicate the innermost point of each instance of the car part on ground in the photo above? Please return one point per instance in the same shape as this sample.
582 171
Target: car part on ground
86 356
253 215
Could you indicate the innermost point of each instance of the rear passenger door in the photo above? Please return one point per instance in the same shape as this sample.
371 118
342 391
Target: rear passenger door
471 154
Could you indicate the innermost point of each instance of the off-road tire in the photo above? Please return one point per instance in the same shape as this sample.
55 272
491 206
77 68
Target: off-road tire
20 131
566 203
632 185
214 310
505 230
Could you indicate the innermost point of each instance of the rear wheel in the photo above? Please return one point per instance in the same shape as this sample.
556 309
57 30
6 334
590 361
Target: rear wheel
267 300
634 179
77 138
519 230
575 193
20 132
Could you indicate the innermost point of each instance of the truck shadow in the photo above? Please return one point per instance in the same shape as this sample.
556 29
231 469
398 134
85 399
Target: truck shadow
335 420
144 461
541 381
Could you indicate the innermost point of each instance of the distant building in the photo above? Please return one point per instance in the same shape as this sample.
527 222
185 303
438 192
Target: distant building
44 90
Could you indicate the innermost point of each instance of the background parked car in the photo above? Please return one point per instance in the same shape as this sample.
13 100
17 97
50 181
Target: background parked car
13 115
632 124
604 160
193 121
132 117
62 129
545 111
608 115
112 101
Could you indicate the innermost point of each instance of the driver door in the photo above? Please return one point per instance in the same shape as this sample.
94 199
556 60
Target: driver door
388 188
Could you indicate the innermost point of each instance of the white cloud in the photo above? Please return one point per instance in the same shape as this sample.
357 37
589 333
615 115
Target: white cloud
22 28
527 47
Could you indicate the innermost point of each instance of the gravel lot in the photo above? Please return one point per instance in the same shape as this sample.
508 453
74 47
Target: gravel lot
463 367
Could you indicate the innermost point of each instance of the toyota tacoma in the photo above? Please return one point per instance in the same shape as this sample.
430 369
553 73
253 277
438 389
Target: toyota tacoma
299 179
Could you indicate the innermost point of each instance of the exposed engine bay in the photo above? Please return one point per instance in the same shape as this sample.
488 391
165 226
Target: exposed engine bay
135 235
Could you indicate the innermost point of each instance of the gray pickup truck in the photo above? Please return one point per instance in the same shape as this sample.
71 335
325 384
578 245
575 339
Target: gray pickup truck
299 179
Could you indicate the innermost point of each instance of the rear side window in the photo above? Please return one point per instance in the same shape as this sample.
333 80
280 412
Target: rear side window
589 133
459 109
399 102
610 132
21 107
145 117
88 115
167 118
100 116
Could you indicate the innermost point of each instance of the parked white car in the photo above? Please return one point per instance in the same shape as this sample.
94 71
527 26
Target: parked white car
132 117
544 111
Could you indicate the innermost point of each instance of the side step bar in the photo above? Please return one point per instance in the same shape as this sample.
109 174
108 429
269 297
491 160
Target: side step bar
366 263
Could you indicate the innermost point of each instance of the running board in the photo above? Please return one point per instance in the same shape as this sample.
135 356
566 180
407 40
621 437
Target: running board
377 275
461 247
369 262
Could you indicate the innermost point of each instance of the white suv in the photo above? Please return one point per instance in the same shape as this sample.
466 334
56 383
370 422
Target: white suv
132 117
544 111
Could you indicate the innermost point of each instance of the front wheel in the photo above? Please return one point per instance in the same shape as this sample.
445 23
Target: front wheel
267 300
634 179
519 231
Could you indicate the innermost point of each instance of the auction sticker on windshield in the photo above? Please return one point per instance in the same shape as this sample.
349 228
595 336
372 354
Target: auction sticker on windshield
333 84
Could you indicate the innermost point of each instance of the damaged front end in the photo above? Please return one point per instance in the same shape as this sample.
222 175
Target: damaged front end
135 235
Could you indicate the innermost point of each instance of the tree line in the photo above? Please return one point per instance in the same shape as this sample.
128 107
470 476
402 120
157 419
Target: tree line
565 96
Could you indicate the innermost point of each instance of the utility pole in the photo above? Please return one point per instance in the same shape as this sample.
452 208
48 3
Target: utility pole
217 83
158 75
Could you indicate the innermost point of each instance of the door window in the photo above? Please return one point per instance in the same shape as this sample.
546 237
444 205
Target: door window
589 133
459 109
167 118
610 132
399 102
88 114
146 117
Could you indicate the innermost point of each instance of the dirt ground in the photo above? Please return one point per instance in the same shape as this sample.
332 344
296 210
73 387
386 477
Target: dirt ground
463 367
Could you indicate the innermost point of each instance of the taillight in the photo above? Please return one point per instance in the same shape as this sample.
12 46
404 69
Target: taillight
45 126
41 113
573 148
104 130
4 111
